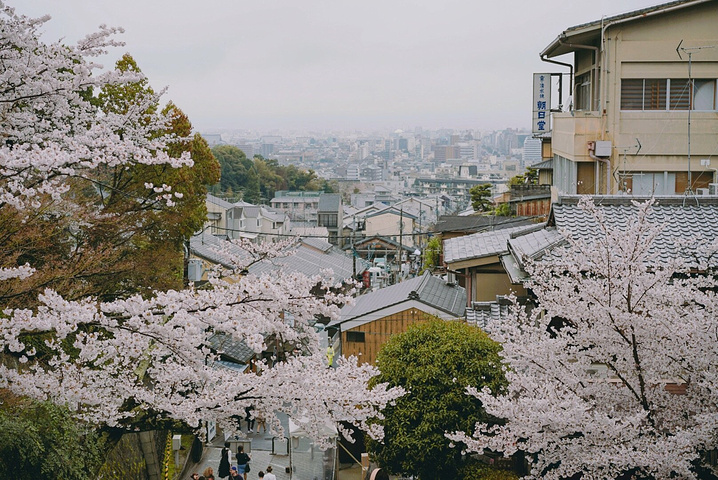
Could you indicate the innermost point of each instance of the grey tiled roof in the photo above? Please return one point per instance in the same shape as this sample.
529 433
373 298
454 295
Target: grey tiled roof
683 221
427 289
231 349
369 240
251 211
476 223
307 260
479 245
484 314
641 13
329 202
220 202
310 257
318 243
211 247
533 244
545 165
392 210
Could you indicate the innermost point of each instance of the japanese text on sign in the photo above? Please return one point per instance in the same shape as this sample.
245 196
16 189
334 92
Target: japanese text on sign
542 103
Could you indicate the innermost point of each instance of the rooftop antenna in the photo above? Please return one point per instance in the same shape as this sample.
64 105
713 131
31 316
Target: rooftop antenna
621 177
689 50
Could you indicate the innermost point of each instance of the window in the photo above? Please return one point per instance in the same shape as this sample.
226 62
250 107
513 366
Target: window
668 94
643 94
704 94
680 94
327 220
583 92
357 337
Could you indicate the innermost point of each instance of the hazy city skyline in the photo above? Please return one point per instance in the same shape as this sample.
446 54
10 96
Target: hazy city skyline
334 65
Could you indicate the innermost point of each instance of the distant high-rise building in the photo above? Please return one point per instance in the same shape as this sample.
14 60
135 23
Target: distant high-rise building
444 152
267 149
532 152
353 172
247 149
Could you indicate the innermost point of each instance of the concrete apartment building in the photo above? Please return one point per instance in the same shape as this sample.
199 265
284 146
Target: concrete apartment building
643 119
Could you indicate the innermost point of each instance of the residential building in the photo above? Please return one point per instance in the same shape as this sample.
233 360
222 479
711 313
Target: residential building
475 261
310 257
457 189
493 265
244 220
217 214
392 223
643 118
330 215
362 328
300 206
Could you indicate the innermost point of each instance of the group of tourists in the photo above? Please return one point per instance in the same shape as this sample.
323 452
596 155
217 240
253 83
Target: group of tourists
234 472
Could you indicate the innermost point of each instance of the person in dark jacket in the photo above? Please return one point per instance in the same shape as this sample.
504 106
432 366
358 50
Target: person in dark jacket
223 470
242 461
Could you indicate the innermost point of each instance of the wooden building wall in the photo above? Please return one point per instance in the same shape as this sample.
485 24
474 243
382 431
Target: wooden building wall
377 333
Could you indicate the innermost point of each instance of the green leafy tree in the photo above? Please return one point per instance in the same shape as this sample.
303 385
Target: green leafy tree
436 361
112 237
432 253
234 167
252 192
481 197
503 210
269 178
529 177
42 440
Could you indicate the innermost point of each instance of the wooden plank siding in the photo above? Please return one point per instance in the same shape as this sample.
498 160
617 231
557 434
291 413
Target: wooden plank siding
378 332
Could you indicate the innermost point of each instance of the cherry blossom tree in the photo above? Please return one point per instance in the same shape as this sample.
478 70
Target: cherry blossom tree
615 373
143 362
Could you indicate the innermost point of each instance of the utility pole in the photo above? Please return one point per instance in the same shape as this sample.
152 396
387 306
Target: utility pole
401 243
354 253
691 96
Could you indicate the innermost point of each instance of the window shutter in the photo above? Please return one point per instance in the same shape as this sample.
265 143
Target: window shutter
632 94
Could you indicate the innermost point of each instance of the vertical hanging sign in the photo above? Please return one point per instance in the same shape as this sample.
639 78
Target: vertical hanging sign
542 103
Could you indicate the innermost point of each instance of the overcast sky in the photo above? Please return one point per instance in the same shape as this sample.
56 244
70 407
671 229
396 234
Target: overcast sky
335 64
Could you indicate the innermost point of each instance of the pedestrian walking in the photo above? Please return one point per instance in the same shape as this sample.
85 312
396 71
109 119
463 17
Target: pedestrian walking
208 473
330 355
269 475
234 474
242 462
223 470
194 476
249 415
260 474
261 423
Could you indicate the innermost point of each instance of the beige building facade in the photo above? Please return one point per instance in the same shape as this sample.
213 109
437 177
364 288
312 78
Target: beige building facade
642 118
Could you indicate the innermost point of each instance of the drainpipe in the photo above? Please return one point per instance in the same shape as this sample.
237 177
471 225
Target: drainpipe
561 41
560 83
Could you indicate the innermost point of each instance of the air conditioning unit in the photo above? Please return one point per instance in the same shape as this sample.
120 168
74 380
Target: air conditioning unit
603 148
701 191
713 189
194 270
600 148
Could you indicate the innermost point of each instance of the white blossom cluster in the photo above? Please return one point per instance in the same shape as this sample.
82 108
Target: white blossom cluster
152 355
50 129
624 379
138 360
